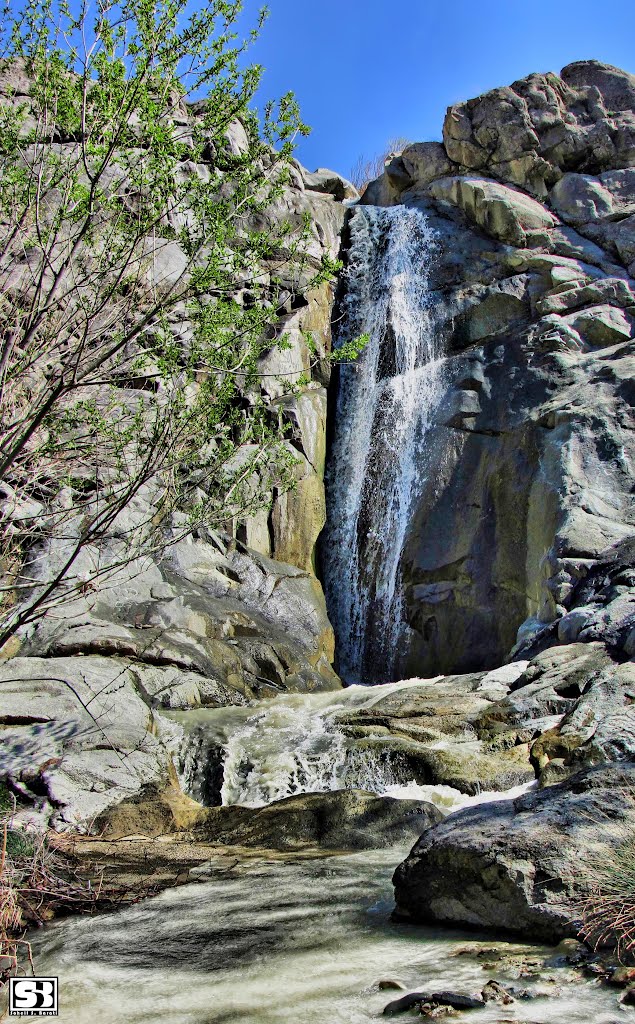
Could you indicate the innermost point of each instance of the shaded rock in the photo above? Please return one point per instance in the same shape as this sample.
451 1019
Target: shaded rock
453 999
518 865
340 820
616 87
323 180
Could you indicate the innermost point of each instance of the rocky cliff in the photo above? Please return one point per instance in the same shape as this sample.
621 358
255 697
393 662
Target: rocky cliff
532 197
218 618
521 544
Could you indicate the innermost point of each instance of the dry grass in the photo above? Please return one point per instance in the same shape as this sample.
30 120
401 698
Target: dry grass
39 881
608 913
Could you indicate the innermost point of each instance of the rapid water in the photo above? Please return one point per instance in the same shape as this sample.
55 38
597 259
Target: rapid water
385 406
278 940
295 743
262 942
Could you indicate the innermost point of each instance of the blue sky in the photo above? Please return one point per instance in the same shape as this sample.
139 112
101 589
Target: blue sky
365 71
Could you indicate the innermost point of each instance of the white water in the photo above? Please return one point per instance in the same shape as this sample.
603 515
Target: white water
386 401
292 744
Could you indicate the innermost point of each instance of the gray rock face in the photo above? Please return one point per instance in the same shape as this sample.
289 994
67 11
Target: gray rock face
530 460
217 619
77 735
342 820
519 865
330 182
205 626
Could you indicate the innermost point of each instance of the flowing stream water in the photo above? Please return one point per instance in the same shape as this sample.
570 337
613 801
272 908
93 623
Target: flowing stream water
385 406
294 744
281 940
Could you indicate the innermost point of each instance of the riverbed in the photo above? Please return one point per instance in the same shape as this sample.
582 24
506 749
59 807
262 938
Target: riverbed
265 942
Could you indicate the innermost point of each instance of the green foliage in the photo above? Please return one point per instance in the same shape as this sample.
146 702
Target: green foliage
349 351
129 361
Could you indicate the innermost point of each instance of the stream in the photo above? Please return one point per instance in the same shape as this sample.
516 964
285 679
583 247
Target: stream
284 939
270 942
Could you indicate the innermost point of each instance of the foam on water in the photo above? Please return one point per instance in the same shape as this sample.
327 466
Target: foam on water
295 743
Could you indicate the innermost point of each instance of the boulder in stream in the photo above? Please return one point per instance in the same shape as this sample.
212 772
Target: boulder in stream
520 865
342 820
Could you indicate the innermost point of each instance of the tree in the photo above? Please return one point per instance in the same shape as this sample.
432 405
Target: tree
364 171
143 270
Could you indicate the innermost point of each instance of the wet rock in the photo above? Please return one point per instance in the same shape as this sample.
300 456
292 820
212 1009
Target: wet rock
390 983
426 732
505 865
567 953
452 999
397 1006
495 992
623 976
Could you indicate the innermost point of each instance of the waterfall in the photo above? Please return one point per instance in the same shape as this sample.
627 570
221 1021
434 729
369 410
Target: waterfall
302 743
385 406
293 747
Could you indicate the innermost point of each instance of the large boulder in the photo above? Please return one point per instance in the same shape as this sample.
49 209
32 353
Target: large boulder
502 212
524 865
78 735
341 820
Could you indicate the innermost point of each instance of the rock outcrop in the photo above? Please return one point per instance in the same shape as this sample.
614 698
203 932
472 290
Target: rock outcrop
529 487
521 545
431 732
525 866
218 617
80 705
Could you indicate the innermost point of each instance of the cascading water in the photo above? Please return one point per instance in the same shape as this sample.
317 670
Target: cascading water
299 743
385 405
285 746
